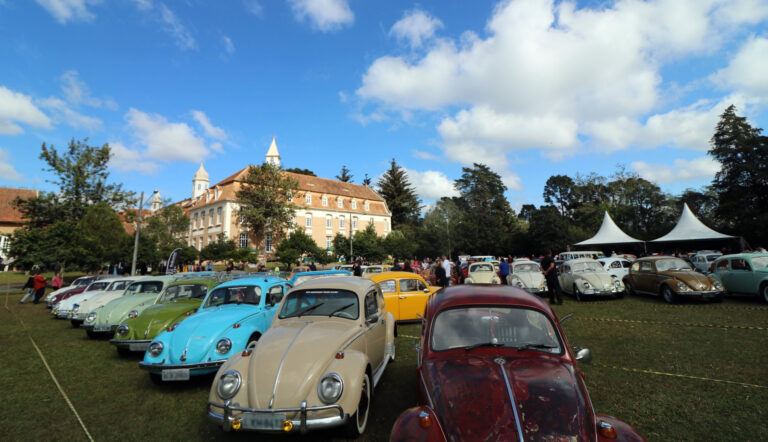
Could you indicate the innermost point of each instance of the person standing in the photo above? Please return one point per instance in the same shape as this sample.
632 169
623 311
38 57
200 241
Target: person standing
407 266
39 287
503 270
56 282
357 270
550 273
447 267
29 287
440 277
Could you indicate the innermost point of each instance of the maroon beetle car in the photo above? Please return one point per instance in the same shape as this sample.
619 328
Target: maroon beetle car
494 365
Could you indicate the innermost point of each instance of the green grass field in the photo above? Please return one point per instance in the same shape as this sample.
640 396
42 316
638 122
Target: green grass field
117 401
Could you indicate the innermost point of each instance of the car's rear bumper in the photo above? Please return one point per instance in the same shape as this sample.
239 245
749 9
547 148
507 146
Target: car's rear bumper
131 344
301 422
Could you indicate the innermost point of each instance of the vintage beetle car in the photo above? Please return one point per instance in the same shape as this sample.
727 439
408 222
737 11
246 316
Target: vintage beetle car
232 317
177 302
71 291
62 308
86 306
302 277
744 273
526 274
702 260
494 364
585 277
671 278
482 273
405 293
616 266
139 295
317 365
82 281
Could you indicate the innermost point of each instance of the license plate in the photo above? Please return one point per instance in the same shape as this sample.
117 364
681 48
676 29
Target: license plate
102 328
137 347
177 374
263 421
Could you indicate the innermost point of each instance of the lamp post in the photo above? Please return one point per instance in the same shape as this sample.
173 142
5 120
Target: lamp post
136 238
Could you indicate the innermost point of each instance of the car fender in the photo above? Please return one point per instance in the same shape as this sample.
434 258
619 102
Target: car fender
624 432
239 336
351 368
408 426
391 330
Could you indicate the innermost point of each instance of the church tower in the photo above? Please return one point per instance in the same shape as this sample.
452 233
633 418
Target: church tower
273 156
200 182
157 202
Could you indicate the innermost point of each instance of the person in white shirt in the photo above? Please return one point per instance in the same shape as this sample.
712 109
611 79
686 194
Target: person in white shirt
447 267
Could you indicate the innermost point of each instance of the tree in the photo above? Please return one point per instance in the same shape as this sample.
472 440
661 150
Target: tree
367 181
368 244
264 201
166 227
345 175
301 171
549 229
104 227
399 195
559 191
741 184
399 245
340 244
295 246
220 250
59 246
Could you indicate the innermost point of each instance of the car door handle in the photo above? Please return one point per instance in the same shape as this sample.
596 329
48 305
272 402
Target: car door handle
402 297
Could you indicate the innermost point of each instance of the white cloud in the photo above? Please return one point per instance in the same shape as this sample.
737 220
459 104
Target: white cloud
127 160
253 6
324 15
415 27
703 168
424 155
68 10
176 29
217 147
210 130
229 47
7 172
164 140
15 108
748 70
64 114
143 5
77 92
431 185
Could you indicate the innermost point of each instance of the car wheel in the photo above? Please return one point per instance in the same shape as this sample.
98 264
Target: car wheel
628 288
666 292
619 295
357 422
764 291
252 342
577 293
123 351
75 323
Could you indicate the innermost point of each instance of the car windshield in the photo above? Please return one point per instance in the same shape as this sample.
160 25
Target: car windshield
372 270
97 286
246 294
118 285
82 281
183 291
525 268
664 265
583 267
328 302
511 327
144 287
760 262
481 268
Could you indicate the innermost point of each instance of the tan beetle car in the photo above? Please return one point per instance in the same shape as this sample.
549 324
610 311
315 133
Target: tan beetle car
315 367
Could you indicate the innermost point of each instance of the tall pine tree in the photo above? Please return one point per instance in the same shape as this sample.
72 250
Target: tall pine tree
400 196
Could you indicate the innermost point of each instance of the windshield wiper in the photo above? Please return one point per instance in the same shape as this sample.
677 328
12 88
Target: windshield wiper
535 347
341 308
484 344
309 309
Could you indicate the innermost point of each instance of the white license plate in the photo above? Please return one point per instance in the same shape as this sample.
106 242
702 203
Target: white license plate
176 374
137 347
102 328
263 421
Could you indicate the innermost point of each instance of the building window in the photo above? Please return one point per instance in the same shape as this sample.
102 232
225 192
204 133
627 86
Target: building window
218 216
309 220
195 222
325 200
308 198
354 223
328 221
367 206
354 204
202 219
210 218
328 242
341 222
243 240
268 244
339 203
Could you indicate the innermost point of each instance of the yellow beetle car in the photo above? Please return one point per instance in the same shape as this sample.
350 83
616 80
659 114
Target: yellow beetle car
405 293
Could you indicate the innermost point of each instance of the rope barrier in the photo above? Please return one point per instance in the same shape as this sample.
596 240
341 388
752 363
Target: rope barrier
676 324
684 376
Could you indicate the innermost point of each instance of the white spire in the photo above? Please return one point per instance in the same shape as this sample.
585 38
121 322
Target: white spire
201 174
200 182
156 202
273 156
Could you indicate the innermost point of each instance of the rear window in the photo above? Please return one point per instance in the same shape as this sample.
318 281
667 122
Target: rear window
388 286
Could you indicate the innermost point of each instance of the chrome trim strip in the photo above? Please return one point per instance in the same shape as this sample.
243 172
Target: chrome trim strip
501 361
426 390
345 346
282 361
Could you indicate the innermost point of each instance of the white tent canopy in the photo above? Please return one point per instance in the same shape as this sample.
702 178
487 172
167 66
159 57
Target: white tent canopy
609 233
689 228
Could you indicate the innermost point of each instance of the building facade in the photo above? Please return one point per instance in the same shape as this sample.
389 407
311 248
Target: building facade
324 207
10 217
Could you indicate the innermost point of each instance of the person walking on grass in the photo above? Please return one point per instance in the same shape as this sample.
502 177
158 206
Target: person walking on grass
503 270
550 273
38 284
29 287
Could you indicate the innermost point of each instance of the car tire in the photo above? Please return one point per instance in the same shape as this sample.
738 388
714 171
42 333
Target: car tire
577 293
123 351
619 295
252 342
667 294
628 288
358 421
717 299
91 334
764 292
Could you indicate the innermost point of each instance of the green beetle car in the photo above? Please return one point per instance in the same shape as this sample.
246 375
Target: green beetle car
179 300
743 273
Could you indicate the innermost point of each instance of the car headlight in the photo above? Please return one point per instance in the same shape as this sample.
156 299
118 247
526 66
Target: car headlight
617 283
91 317
519 283
223 346
122 331
682 287
586 284
330 388
133 314
495 281
229 384
716 284
155 348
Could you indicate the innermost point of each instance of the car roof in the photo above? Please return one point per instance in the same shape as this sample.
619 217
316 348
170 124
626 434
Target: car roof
254 280
578 260
210 282
355 284
655 258
743 255
378 277
475 294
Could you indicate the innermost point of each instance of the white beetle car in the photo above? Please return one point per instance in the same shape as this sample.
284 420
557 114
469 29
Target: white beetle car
618 267
88 304
63 308
585 277
526 274
482 273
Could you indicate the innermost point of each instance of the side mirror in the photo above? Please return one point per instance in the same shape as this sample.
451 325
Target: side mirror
371 320
584 356
426 290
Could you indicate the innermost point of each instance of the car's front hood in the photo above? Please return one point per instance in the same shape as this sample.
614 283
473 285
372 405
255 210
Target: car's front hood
482 277
156 318
93 302
299 350
472 401
529 279
68 293
694 280
598 280
115 311
78 299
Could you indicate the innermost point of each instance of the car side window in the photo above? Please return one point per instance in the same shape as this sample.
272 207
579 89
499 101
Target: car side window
275 294
626 264
646 266
722 265
388 286
371 305
740 264
635 267
409 285
616 265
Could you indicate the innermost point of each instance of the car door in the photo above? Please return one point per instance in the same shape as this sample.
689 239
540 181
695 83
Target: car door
645 277
740 277
413 294
376 332
391 298
565 279
722 273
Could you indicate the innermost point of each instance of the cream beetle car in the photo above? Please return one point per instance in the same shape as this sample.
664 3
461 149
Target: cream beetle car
315 367
482 273
586 277
526 274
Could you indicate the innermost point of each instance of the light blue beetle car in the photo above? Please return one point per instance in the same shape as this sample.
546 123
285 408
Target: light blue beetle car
232 317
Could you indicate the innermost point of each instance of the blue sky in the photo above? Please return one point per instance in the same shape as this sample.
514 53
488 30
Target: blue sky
531 88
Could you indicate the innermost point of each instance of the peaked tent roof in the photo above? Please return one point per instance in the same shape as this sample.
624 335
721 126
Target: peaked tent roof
690 228
609 233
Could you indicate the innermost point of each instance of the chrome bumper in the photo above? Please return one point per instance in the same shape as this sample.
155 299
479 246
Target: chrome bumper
91 326
533 290
302 424
197 366
705 295
594 292
78 316
126 343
